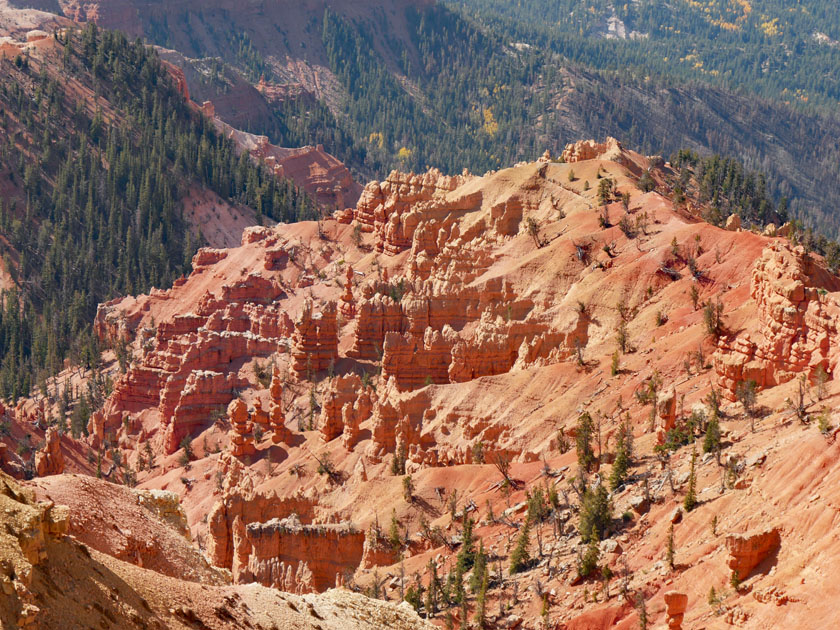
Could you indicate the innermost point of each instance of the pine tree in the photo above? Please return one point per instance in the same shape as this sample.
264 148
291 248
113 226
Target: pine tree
466 555
711 442
621 463
394 536
595 513
690 501
641 610
583 441
479 569
431 593
480 617
589 562
520 559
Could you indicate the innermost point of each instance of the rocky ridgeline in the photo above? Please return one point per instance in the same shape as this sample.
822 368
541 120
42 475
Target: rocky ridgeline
320 174
449 287
583 150
795 331
415 323
393 209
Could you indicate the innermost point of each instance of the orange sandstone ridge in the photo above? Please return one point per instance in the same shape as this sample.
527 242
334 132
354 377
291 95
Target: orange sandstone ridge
287 387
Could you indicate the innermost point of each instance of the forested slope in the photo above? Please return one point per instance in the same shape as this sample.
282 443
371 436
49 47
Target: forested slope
97 151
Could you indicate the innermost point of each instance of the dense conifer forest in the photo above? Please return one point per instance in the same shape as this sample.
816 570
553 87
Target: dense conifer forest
93 203
772 48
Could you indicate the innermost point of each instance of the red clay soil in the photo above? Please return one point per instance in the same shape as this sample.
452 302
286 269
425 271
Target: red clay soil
492 306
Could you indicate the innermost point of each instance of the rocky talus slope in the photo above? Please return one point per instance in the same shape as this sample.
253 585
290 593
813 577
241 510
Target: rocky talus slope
332 402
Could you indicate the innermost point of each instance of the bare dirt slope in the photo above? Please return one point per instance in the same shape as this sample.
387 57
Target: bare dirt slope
319 387
51 580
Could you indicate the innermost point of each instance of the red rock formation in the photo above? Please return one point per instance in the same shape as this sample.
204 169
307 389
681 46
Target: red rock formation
396 419
747 551
315 340
208 256
279 549
494 346
186 404
11 463
455 305
346 405
178 77
348 303
377 315
733 223
393 209
666 413
414 364
111 324
591 150
50 461
184 369
320 174
241 437
378 551
96 429
145 527
795 326
353 416
257 556
30 530
276 418
275 389
675 607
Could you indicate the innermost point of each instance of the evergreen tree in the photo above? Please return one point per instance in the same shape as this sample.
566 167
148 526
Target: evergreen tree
621 463
589 561
583 441
466 555
520 559
394 535
595 513
690 501
669 551
711 442
479 571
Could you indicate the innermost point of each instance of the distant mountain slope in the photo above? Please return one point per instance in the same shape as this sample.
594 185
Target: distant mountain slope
419 84
774 48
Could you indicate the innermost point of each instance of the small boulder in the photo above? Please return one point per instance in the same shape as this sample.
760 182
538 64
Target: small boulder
733 223
639 504
676 515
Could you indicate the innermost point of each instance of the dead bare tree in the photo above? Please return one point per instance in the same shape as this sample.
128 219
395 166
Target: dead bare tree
325 467
534 231
800 407
502 463
582 253
670 272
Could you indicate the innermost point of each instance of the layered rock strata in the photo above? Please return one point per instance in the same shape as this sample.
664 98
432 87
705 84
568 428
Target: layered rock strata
796 323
